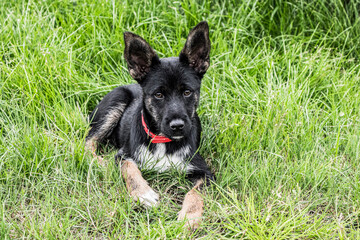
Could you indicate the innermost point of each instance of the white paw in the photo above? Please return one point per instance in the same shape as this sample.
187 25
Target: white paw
149 198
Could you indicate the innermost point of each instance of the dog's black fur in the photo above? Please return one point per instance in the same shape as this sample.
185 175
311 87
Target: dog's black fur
167 94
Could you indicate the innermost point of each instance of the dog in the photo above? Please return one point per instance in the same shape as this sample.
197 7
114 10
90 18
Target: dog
154 123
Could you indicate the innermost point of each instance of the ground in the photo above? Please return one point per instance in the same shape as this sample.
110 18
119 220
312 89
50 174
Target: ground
280 110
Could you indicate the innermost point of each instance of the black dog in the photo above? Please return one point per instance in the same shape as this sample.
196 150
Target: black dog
154 123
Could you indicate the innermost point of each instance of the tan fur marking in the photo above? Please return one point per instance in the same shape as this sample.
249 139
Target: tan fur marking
137 185
90 146
193 207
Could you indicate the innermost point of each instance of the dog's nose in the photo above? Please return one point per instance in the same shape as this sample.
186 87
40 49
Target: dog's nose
177 124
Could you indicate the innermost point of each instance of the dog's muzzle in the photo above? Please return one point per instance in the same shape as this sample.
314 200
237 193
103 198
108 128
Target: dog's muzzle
177 128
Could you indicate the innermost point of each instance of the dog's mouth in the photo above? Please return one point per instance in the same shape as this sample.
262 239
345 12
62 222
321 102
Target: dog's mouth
177 137
174 138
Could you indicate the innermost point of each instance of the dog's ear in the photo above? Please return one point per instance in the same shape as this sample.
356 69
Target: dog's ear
139 56
196 52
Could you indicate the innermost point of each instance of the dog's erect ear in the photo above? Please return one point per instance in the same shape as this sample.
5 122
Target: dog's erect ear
139 56
196 52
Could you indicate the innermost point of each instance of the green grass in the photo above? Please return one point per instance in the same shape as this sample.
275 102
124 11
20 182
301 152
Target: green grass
280 110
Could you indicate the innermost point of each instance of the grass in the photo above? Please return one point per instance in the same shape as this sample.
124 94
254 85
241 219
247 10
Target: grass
280 110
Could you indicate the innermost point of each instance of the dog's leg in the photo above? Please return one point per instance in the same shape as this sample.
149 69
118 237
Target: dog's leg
193 206
103 128
137 186
105 118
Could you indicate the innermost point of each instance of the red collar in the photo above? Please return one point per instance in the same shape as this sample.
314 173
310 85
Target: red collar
154 138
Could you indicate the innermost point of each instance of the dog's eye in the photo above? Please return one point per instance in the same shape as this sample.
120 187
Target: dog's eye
159 95
187 93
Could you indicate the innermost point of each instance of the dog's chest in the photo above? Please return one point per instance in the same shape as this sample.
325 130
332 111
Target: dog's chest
159 160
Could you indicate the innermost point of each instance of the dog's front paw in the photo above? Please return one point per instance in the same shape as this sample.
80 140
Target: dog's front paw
148 198
193 218
192 210
137 186
141 191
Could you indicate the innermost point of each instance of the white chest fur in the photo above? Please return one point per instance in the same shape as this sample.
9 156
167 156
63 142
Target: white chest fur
157 159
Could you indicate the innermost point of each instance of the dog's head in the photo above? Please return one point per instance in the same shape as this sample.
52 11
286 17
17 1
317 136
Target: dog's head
171 86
